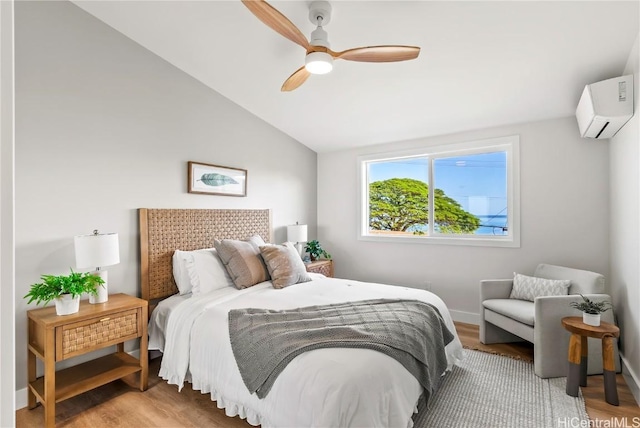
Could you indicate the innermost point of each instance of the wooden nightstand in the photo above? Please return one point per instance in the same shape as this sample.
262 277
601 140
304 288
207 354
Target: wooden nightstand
55 338
324 267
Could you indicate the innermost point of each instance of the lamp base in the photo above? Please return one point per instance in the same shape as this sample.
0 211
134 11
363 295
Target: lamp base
103 291
298 246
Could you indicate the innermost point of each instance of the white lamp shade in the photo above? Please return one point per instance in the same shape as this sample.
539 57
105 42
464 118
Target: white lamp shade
297 233
96 250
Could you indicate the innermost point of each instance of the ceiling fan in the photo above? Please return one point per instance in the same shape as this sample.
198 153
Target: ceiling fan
319 57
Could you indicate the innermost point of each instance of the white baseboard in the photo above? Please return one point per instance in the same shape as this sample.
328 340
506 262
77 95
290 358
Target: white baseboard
631 378
22 400
465 317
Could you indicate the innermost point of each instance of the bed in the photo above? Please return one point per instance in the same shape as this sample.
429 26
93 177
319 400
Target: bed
323 387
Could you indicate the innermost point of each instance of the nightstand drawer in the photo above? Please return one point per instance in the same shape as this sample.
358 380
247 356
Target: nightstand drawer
94 333
325 267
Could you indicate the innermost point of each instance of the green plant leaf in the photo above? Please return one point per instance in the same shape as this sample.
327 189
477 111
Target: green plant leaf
590 307
53 286
315 249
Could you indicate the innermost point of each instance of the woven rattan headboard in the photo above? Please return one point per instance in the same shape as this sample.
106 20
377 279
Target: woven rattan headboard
162 231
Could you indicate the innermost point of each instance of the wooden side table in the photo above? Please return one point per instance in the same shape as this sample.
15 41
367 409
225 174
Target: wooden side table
324 267
579 352
55 338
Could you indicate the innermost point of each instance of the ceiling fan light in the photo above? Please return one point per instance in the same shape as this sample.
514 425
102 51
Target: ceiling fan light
318 63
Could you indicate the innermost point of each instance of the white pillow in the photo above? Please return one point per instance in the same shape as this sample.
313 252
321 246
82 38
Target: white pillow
199 271
530 287
180 274
206 272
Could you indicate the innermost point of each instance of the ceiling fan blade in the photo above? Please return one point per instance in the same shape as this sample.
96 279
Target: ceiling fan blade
277 21
295 80
390 53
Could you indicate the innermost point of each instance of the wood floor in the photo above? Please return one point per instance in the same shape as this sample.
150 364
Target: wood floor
117 404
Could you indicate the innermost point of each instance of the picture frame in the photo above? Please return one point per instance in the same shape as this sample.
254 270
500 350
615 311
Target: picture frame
209 179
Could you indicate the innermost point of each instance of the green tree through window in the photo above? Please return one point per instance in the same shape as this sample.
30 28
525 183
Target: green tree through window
402 205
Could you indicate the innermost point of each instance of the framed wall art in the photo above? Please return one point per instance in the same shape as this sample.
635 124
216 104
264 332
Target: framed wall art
217 180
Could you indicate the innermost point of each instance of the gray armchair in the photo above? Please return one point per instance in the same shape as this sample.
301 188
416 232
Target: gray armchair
504 320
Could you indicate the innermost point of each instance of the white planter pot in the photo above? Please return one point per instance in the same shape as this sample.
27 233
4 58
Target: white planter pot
67 304
591 319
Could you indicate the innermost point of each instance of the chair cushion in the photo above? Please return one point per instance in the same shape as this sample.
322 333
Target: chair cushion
520 310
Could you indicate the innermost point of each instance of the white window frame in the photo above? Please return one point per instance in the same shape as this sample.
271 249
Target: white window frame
509 144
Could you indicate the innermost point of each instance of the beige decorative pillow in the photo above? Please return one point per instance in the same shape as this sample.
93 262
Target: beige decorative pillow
285 265
243 261
530 287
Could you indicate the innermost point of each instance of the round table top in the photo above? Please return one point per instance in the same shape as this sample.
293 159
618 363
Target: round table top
576 326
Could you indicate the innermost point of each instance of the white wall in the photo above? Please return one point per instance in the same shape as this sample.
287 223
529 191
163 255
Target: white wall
104 127
624 153
564 217
7 323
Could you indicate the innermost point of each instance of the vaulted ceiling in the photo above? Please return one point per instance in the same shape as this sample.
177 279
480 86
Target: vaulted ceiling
481 64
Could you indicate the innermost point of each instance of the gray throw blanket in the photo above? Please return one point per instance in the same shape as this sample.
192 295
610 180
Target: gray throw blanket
413 332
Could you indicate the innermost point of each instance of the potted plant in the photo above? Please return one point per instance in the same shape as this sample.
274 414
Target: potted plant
591 310
65 290
315 250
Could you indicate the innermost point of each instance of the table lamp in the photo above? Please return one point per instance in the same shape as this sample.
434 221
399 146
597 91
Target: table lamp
97 250
297 233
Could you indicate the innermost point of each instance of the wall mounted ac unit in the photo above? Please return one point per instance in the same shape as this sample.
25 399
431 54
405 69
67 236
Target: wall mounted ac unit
605 107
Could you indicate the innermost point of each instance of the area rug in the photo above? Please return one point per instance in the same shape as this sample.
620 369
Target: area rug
488 390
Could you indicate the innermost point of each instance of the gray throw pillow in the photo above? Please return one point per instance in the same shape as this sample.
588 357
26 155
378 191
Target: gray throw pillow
530 287
285 265
243 261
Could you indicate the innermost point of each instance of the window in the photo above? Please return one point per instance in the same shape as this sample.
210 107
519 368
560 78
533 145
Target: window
457 194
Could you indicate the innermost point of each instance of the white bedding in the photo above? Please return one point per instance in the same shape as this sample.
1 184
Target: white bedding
333 387
159 317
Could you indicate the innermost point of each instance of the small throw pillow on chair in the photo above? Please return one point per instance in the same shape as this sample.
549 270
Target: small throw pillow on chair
530 287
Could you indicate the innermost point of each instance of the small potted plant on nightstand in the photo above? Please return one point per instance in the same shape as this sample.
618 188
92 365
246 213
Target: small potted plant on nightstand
315 250
591 310
64 290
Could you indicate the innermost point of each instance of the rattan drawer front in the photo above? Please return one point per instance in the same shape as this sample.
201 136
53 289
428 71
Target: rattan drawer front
325 268
97 333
